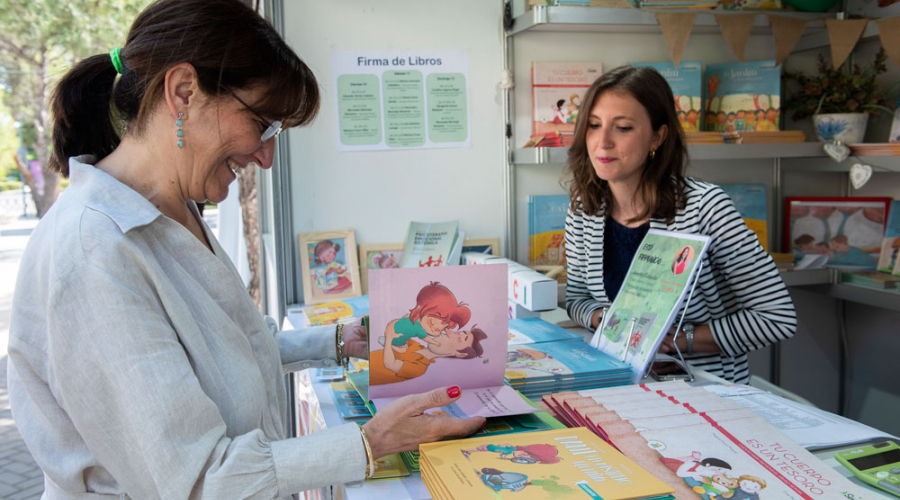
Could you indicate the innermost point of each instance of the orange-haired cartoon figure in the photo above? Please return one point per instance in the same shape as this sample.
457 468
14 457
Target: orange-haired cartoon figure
529 454
436 310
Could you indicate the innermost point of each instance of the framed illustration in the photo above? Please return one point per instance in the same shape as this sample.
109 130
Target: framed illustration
378 256
329 267
849 231
489 246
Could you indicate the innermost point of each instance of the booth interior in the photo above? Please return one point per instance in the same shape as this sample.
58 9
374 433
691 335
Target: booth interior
843 356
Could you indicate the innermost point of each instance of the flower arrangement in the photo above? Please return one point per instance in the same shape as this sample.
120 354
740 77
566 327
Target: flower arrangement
848 89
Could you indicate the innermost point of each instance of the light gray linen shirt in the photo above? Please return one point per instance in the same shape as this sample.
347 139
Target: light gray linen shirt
140 368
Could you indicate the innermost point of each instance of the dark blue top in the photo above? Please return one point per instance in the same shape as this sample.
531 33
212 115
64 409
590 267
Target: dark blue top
620 243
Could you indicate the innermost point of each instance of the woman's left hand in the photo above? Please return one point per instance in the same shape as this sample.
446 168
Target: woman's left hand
355 342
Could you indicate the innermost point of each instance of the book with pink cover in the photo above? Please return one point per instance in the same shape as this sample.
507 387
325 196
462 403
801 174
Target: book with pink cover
439 327
557 90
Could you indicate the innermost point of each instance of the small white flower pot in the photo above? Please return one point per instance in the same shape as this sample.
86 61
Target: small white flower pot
849 128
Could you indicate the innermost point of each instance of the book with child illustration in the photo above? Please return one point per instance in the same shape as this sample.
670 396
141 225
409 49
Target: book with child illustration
557 89
536 330
429 244
660 276
849 232
555 464
438 327
750 201
686 82
538 369
743 96
547 228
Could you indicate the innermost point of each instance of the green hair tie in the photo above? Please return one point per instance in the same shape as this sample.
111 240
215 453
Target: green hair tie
117 60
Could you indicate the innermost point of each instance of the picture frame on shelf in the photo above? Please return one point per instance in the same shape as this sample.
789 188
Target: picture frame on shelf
849 230
378 256
328 266
489 246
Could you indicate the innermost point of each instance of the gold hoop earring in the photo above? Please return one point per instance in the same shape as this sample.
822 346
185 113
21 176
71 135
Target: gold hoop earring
652 153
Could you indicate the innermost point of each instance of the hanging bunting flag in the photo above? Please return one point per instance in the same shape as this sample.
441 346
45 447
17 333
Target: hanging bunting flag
676 27
843 35
736 30
787 32
889 32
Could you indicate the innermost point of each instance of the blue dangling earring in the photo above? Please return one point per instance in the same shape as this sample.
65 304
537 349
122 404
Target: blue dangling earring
180 132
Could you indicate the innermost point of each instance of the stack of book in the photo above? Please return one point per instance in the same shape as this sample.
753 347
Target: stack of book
752 137
543 358
876 149
871 279
701 445
704 138
567 463
329 313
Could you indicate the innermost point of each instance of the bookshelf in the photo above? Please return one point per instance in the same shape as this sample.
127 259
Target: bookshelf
828 282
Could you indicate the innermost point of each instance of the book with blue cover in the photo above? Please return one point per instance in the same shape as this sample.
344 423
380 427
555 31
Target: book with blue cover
547 229
750 202
686 82
537 369
743 96
536 330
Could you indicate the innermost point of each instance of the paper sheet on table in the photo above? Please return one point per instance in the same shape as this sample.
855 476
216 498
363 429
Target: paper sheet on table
479 402
811 427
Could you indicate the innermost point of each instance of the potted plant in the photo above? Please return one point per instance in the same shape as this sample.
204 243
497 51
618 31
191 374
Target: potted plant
839 100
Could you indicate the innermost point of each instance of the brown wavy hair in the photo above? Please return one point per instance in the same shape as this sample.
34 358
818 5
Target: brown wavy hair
662 183
229 45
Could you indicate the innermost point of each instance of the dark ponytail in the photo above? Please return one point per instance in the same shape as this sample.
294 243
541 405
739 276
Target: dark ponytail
228 44
80 106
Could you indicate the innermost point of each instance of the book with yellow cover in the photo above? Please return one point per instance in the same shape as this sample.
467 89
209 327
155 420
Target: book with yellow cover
555 464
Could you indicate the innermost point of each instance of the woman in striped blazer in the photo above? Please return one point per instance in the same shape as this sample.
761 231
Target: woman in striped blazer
625 175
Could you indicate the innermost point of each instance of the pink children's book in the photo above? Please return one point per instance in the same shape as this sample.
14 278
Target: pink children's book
443 326
558 88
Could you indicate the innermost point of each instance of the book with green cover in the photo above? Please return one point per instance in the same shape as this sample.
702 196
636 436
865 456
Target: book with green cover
429 244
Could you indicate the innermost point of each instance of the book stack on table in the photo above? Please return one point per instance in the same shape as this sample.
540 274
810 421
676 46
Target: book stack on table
567 463
543 358
700 444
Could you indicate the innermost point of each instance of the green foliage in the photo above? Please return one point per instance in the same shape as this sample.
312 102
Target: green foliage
10 185
848 89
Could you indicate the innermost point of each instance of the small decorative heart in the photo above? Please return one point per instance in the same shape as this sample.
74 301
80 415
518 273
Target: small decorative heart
860 173
837 150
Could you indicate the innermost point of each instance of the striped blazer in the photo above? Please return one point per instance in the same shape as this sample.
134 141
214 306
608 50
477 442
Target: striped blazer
741 295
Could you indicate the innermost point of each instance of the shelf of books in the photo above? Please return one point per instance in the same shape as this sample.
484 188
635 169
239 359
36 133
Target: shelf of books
537 156
587 19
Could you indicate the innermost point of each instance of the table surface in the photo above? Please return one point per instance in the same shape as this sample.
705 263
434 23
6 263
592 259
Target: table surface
325 414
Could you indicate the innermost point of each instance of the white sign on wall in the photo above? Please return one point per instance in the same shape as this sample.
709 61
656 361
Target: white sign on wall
401 100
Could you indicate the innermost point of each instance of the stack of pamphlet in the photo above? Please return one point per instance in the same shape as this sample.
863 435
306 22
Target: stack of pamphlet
566 463
702 445
544 358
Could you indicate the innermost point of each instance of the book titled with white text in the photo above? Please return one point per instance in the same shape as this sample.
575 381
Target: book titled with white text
743 96
686 82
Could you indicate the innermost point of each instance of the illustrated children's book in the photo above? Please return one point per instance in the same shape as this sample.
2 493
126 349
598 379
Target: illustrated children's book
429 244
558 464
348 401
557 89
538 369
659 278
547 229
888 261
750 202
330 313
686 82
743 96
536 330
439 327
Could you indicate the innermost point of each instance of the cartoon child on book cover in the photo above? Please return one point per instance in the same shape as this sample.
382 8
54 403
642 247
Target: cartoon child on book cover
330 273
413 342
528 454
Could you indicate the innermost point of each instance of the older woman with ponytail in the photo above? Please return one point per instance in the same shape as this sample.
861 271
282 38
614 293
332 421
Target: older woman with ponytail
626 175
138 365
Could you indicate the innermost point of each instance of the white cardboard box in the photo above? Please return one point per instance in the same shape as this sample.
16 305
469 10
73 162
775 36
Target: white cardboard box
527 287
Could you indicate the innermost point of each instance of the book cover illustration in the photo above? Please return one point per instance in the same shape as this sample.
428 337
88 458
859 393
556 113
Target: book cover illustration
429 244
338 311
686 82
750 201
892 228
849 231
547 228
557 88
535 330
742 458
348 401
551 360
557 464
658 279
890 250
437 327
743 96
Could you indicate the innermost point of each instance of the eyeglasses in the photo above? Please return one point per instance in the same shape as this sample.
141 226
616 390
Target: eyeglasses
272 129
